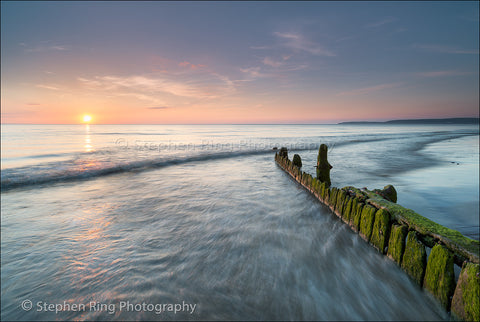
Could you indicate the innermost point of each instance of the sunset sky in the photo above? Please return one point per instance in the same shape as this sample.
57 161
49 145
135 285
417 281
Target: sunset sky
233 62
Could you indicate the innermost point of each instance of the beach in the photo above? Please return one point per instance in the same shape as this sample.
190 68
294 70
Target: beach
102 215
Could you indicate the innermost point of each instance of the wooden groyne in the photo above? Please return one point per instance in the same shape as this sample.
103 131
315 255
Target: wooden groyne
402 235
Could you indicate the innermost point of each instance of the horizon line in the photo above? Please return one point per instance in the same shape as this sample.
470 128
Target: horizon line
333 123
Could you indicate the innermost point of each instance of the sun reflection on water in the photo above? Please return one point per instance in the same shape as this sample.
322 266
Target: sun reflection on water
88 141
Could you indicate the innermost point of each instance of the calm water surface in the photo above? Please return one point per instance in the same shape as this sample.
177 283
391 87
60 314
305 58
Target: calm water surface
202 215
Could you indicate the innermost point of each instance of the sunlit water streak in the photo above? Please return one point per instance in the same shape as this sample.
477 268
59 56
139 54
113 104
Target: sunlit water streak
235 235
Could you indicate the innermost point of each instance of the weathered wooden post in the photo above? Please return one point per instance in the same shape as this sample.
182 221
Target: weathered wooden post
283 152
297 160
323 167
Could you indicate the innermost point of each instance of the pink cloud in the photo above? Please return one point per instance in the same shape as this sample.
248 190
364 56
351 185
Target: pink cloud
190 65
50 87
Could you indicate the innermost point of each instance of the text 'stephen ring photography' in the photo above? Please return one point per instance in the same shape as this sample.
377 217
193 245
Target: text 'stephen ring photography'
231 161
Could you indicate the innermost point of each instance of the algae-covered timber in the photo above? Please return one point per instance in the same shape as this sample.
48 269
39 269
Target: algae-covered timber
396 244
414 258
381 230
439 276
466 299
452 239
283 152
463 247
388 193
297 160
355 220
332 199
327 192
353 205
366 222
339 202
430 232
347 209
323 167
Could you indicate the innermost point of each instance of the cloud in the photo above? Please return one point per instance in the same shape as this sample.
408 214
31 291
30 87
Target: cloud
288 35
190 65
50 87
445 49
276 63
206 85
253 72
142 84
157 107
382 22
367 90
260 47
169 66
152 98
270 62
442 73
298 43
38 49
272 68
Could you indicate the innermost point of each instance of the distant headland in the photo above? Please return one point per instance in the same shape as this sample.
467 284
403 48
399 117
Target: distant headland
459 120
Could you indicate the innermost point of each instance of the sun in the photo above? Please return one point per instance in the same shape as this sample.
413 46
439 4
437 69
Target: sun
87 118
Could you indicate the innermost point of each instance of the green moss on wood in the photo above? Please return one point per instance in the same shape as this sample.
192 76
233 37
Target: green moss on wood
323 167
332 197
381 230
283 152
390 193
347 209
307 180
452 239
298 175
339 202
396 244
465 302
297 160
353 209
414 258
356 219
327 192
287 163
366 222
357 193
439 276
321 191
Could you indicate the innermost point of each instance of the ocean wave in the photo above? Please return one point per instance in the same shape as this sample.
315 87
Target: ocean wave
81 168
72 170
100 163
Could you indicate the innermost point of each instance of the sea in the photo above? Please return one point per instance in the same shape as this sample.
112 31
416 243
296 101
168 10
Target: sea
197 222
